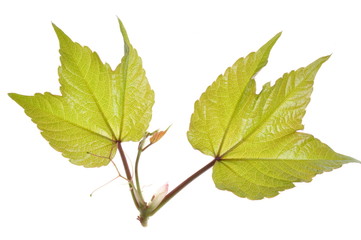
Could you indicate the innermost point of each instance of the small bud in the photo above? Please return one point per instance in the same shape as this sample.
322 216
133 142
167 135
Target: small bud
158 197
157 136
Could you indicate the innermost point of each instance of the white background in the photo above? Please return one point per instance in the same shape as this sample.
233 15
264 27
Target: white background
184 45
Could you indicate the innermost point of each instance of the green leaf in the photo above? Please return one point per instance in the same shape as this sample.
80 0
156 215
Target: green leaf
98 106
253 136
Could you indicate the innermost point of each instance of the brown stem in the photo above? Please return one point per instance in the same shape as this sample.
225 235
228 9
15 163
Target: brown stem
125 162
176 190
128 174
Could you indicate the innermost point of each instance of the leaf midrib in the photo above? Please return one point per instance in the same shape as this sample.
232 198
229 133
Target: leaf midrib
279 159
124 78
77 125
254 181
266 118
83 77
237 105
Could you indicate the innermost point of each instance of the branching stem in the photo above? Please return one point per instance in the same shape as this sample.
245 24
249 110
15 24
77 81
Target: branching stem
136 190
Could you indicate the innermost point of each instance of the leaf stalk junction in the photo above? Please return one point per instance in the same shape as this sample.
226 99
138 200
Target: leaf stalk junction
149 209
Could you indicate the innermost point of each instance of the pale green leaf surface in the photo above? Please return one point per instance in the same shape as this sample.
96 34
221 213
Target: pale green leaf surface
67 131
254 136
221 107
261 169
135 97
87 121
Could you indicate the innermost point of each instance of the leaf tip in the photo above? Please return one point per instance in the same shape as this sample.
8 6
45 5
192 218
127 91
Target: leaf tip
64 40
14 96
56 29
325 58
272 41
265 51
318 63
278 35
54 26
127 44
351 159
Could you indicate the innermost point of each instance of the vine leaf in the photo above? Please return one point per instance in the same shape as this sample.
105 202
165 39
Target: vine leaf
254 137
98 106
